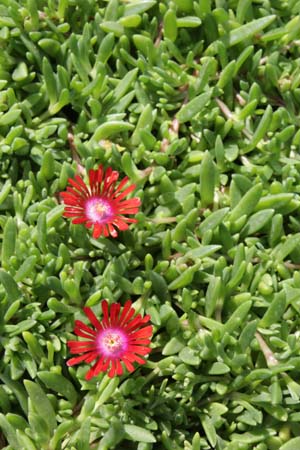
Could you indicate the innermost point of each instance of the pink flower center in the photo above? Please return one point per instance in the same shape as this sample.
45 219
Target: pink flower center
98 209
112 342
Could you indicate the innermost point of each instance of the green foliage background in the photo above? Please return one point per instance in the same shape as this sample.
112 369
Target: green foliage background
198 103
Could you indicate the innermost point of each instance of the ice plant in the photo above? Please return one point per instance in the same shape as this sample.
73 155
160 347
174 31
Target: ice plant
119 337
102 204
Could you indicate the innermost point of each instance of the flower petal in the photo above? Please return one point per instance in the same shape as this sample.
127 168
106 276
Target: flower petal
121 225
112 230
113 369
92 318
129 366
125 192
134 323
82 347
82 328
105 311
98 230
76 360
119 367
79 220
142 333
100 366
114 313
127 313
134 358
139 349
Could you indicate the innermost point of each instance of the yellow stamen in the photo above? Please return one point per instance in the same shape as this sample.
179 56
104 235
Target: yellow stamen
113 342
100 208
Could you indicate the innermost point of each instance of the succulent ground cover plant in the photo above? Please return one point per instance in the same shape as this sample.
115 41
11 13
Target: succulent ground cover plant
190 111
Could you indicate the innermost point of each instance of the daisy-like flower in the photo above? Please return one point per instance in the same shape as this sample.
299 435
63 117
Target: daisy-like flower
101 205
119 337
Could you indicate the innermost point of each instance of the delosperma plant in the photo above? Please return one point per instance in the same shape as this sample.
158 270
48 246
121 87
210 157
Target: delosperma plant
149 151
118 338
101 205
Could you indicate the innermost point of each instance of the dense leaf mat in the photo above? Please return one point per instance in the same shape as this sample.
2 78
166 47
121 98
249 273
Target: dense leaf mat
198 103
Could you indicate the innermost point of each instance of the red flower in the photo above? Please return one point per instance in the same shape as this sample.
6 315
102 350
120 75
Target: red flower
118 337
101 204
